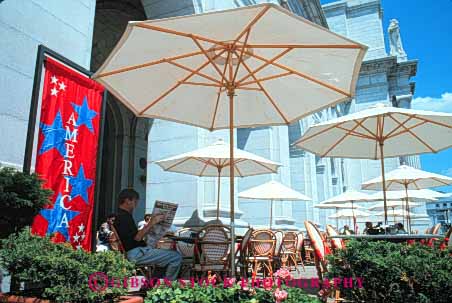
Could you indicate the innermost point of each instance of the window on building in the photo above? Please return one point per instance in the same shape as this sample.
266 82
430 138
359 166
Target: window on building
437 205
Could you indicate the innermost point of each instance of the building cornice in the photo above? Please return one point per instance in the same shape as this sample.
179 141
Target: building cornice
390 66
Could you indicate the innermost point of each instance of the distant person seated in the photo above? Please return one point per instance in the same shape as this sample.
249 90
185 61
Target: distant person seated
400 228
368 228
347 231
141 224
104 234
132 238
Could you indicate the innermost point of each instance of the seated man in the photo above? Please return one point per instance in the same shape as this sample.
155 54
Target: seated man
400 228
368 228
132 238
104 234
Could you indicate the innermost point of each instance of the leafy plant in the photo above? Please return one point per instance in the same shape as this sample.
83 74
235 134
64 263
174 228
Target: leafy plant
21 198
63 273
219 294
394 272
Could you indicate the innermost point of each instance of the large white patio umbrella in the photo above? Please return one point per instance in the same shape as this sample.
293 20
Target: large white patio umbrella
350 196
212 161
380 132
233 68
405 178
273 191
350 214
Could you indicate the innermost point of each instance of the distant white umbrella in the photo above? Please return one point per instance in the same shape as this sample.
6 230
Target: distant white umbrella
380 132
338 206
349 214
350 196
401 214
212 160
405 178
394 204
273 191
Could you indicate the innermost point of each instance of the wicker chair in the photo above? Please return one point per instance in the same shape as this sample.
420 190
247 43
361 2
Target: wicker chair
289 250
212 250
243 252
261 251
187 251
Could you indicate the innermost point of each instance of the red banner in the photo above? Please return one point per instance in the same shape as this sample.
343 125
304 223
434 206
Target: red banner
67 152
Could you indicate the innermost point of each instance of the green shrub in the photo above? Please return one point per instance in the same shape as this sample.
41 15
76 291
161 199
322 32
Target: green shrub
394 272
61 271
219 294
21 199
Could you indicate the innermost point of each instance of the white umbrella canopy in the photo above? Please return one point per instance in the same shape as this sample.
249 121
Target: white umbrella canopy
273 191
178 68
233 68
407 177
394 204
212 160
349 213
380 132
413 195
400 213
338 205
349 196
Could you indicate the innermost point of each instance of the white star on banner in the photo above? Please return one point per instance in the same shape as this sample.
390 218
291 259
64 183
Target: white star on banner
81 227
54 92
79 246
62 86
54 80
76 237
83 237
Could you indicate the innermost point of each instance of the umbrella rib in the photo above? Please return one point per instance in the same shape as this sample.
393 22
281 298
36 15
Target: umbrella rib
355 133
179 163
341 139
147 64
207 56
428 120
301 140
283 53
201 84
343 46
404 131
252 23
302 75
177 33
413 134
264 91
241 55
262 164
206 164
398 127
250 88
193 71
178 83
267 78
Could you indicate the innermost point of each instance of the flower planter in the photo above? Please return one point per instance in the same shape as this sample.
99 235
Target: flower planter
5 298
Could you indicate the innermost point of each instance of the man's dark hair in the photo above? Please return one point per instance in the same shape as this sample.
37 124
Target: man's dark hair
127 193
147 216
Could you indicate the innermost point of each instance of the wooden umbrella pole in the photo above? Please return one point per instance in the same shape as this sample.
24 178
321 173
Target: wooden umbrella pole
354 219
408 223
271 213
231 177
218 197
384 181
337 219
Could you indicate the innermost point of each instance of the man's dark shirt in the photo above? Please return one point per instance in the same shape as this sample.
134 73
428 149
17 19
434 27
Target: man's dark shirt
127 229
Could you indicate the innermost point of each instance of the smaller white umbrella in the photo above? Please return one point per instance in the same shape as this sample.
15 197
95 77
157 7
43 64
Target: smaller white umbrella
349 213
212 160
350 196
337 206
273 191
400 213
393 204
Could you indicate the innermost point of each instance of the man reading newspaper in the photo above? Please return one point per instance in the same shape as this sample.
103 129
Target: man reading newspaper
132 238
160 229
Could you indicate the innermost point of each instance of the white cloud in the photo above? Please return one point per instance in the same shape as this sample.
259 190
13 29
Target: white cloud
442 104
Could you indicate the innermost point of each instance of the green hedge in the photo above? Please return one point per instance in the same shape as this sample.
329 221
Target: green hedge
394 272
62 272
219 294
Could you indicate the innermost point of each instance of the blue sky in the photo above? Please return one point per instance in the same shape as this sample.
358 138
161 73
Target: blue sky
425 28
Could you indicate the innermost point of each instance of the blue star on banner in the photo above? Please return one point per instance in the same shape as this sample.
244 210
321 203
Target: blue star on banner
80 185
58 218
54 136
85 114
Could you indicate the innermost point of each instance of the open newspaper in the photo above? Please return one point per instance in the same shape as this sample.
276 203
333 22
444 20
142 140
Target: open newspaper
159 230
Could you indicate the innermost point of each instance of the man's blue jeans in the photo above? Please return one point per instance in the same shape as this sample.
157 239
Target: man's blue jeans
170 259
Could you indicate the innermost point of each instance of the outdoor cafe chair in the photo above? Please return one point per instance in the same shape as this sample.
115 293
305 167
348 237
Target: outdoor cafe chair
262 248
212 250
276 256
187 250
289 250
242 253
336 243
